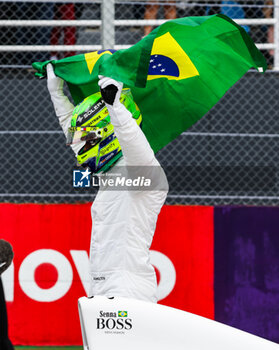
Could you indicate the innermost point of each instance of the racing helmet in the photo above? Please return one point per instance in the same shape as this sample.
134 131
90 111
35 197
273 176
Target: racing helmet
91 127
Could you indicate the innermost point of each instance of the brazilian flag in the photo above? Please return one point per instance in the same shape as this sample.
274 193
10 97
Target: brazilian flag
176 74
122 313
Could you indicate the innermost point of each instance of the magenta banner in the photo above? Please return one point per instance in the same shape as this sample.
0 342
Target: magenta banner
246 275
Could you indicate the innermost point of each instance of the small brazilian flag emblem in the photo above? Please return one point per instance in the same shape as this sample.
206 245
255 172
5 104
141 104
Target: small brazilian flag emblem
122 313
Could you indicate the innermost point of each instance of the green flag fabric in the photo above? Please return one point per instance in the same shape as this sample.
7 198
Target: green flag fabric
176 74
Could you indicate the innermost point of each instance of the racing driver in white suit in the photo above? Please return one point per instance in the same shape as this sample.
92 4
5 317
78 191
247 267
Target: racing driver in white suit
123 221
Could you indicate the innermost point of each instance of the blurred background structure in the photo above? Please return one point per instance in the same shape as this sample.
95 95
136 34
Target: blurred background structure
229 157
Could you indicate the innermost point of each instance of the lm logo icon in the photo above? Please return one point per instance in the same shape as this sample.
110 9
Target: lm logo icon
81 178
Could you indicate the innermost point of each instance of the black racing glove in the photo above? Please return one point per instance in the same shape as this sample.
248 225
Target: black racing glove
110 90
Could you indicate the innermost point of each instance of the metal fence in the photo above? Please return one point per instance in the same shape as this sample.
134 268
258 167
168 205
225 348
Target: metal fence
229 157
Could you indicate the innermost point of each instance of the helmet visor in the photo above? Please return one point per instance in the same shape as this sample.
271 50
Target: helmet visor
78 134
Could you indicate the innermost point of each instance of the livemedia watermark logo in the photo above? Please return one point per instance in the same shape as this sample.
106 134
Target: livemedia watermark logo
126 178
121 181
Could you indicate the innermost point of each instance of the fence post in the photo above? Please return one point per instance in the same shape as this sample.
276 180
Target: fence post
276 34
108 30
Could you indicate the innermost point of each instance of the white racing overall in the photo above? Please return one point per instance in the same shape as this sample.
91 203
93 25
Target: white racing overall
123 221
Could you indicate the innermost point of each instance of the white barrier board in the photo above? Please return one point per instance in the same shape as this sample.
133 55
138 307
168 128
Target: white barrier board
121 323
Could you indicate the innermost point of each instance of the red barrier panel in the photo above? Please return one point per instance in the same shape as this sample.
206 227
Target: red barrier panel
49 273
185 234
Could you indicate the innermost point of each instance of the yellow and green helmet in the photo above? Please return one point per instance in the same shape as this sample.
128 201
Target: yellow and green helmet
91 124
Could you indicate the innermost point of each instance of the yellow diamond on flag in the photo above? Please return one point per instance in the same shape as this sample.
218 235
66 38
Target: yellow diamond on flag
92 57
169 60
